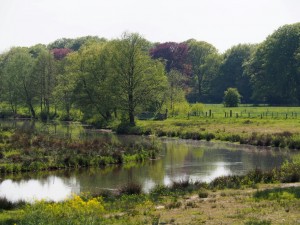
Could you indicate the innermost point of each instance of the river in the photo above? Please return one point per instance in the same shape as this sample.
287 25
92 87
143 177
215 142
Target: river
179 159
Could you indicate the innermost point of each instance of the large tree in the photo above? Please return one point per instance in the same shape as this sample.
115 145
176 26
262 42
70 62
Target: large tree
45 71
91 67
232 71
173 54
19 81
274 68
139 80
204 60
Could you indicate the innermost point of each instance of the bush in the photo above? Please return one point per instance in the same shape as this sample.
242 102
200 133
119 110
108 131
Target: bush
289 172
131 189
232 97
73 211
203 193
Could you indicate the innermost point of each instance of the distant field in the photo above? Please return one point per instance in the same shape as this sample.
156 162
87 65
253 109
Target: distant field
262 125
243 119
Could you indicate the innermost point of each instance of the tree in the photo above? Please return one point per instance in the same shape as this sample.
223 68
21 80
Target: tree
18 79
174 54
73 44
45 72
232 97
60 53
274 67
203 58
91 66
232 71
139 80
174 93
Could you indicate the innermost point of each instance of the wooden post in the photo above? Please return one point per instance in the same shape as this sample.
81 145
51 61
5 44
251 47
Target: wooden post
230 113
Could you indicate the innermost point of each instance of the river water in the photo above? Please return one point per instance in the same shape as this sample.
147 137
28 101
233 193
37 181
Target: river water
179 159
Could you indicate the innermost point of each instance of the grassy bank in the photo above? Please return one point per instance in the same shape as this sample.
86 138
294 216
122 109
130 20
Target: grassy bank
260 126
255 198
22 151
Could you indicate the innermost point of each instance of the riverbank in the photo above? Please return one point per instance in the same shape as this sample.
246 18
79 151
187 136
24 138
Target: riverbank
283 133
257 201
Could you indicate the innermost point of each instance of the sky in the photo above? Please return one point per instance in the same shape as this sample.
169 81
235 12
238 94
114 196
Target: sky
223 23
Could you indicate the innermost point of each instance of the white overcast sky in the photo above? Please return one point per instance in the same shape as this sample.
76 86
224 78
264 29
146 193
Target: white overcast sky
223 23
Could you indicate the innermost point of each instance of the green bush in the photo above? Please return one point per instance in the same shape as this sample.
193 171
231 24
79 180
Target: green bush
232 97
203 193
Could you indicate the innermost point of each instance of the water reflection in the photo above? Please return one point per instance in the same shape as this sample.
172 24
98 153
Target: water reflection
53 188
180 159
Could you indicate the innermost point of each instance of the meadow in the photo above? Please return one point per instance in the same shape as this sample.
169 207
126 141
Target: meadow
261 125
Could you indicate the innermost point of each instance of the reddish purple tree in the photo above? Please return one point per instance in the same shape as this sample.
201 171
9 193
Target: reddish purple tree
60 53
174 54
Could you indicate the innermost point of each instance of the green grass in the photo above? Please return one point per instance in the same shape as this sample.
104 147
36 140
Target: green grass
266 126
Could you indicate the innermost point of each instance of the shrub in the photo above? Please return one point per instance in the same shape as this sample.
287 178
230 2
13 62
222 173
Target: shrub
131 188
73 211
203 193
182 184
289 172
232 97
160 190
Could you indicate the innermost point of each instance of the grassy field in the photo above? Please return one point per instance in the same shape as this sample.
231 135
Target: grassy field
266 126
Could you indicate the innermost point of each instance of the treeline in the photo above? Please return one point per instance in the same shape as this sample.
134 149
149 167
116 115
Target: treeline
119 78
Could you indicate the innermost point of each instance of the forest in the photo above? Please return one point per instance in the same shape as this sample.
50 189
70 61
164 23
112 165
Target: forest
98 80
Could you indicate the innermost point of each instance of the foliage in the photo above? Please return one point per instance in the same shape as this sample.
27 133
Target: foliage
274 67
49 152
204 61
232 72
174 54
140 81
131 188
60 53
232 97
76 210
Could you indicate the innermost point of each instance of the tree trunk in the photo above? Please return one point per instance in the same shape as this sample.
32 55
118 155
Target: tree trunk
200 86
131 110
31 110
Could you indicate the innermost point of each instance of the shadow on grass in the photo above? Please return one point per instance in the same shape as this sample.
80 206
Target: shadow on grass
288 193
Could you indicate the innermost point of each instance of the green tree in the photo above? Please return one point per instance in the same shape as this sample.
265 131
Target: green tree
274 68
232 71
139 80
199 56
91 68
19 82
232 97
63 92
175 93
45 72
